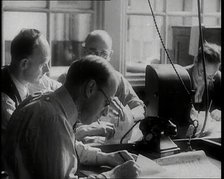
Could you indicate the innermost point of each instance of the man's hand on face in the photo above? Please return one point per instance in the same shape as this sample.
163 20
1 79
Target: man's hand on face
119 110
216 115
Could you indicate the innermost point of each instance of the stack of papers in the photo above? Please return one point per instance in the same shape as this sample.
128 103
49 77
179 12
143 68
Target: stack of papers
193 164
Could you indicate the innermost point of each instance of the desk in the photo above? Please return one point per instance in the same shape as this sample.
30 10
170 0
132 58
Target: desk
211 148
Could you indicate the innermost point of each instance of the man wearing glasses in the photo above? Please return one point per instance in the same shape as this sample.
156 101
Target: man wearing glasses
124 109
40 140
212 53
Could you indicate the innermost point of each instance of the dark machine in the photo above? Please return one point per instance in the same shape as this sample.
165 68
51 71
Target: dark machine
168 103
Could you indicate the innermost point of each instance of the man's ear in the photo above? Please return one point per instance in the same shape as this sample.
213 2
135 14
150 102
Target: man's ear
91 88
24 63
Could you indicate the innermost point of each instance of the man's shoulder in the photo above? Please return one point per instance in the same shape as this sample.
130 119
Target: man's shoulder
121 78
37 101
8 87
5 76
218 74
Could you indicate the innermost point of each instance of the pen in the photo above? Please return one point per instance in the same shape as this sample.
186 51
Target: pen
121 156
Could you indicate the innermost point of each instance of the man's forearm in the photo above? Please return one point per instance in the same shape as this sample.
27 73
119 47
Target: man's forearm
87 130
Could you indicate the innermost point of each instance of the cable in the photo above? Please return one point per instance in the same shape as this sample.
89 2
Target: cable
204 69
157 29
203 60
136 122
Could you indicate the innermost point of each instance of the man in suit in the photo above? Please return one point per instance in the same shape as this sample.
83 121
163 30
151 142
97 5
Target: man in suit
30 55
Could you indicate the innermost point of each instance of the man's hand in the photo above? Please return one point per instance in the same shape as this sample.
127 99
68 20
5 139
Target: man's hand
216 115
106 129
120 111
128 169
115 158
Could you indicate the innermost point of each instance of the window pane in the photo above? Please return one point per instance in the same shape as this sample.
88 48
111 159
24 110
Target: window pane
175 5
190 21
142 5
68 33
182 5
182 21
211 21
72 4
30 3
15 21
212 6
143 44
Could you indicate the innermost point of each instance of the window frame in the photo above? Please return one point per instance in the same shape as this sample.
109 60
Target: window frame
96 11
120 20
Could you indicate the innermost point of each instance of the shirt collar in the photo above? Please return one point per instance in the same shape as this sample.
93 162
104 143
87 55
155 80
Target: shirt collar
22 89
68 105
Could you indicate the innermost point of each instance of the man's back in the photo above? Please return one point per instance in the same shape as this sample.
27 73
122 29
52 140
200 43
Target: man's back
39 137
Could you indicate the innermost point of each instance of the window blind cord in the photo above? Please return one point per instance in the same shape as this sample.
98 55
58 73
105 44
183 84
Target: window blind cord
204 69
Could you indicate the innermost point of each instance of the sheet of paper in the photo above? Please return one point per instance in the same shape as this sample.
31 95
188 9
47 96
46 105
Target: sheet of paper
150 169
184 165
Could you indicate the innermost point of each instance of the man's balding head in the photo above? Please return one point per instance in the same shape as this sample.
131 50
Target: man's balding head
92 84
99 43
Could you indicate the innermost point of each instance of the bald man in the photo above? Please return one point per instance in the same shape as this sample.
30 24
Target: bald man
126 107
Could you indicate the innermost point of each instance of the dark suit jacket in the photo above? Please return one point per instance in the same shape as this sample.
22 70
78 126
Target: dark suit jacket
8 87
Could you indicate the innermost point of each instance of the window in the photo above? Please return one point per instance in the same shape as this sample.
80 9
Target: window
64 23
142 43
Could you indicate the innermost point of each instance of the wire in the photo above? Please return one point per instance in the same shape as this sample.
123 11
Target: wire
157 29
136 122
204 69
